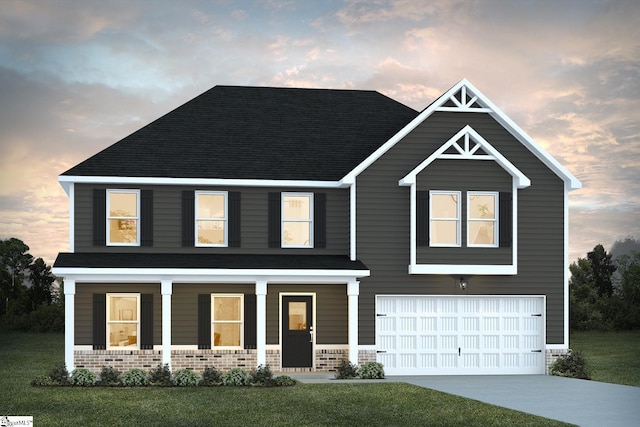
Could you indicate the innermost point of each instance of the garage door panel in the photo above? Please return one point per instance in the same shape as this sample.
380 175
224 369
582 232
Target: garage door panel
460 334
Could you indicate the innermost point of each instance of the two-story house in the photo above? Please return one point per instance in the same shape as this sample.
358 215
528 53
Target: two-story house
301 227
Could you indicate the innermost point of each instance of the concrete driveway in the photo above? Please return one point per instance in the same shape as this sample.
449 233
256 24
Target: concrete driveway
581 402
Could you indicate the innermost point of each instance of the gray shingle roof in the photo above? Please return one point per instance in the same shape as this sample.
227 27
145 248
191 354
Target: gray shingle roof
235 132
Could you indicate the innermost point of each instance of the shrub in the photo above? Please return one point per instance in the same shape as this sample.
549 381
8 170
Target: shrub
186 378
42 380
161 376
83 377
347 370
371 371
109 376
262 376
135 377
284 381
59 374
572 365
235 377
211 377
46 318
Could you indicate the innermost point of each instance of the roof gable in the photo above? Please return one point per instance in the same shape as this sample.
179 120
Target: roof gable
464 97
470 145
237 132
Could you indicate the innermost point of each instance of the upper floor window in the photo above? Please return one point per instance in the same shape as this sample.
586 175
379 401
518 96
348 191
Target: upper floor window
482 218
444 214
123 217
211 218
227 316
123 326
297 220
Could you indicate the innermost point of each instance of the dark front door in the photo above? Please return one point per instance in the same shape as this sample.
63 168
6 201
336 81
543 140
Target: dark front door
297 331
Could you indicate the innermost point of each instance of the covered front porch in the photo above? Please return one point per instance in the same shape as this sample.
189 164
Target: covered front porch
271 280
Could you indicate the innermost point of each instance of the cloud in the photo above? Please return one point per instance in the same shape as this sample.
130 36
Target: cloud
78 76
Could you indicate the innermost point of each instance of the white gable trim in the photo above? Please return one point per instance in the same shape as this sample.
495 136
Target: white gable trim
468 152
470 96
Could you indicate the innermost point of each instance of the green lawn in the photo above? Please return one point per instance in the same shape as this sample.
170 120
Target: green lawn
25 356
612 357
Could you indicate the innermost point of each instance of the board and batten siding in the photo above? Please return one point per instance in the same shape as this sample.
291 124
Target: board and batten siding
84 307
167 221
383 219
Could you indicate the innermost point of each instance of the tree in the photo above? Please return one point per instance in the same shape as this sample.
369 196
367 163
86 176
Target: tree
602 269
585 307
627 312
40 291
14 260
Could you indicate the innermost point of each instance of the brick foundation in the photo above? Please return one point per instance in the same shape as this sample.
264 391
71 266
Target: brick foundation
197 360
552 355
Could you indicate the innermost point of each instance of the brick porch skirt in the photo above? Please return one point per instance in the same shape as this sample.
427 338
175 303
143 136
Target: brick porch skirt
198 360
552 356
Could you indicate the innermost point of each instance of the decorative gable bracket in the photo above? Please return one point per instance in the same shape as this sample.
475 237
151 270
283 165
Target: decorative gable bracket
469 145
464 100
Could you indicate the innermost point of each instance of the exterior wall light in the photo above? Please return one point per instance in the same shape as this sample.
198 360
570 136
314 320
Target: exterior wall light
463 283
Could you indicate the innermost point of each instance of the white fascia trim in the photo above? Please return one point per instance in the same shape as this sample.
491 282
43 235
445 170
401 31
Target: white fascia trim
352 221
525 139
113 180
146 275
566 265
72 215
522 180
488 107
497 270
556 347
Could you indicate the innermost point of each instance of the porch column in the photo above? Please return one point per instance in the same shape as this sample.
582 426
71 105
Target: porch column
353 291
167 289
69 322
261 322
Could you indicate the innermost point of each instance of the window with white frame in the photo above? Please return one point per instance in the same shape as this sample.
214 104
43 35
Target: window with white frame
227 318
482 219
444 218
123 320
297 220
123 217
211 218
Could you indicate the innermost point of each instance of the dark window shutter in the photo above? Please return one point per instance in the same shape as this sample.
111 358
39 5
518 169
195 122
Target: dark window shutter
204 321
99 217
275 224
505 219
320 220
188 218
146 319
250 321
234 219
99 321
146 217
422 218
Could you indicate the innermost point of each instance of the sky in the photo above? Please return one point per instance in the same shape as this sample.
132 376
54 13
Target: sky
77 76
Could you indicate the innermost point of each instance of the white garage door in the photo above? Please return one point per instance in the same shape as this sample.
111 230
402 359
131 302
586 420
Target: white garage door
457 335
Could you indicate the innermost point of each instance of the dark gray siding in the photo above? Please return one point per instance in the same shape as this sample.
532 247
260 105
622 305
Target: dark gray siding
184 307
167 231
383 225
331 312
84 307
467 176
